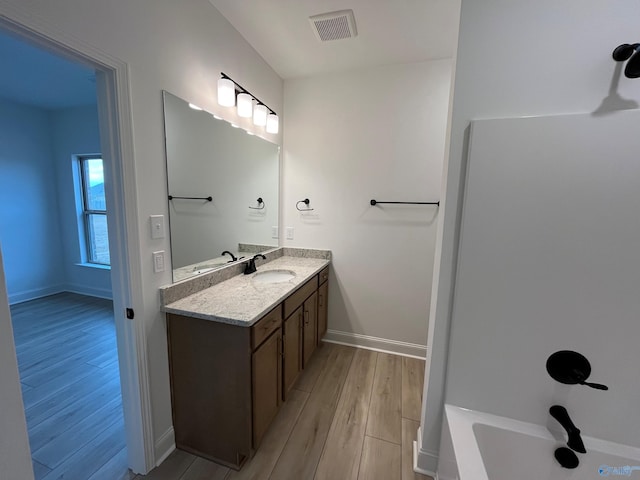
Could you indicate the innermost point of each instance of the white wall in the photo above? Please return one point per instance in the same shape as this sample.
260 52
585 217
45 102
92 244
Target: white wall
369 134
75 131
177 46
15 455
29 221
519 59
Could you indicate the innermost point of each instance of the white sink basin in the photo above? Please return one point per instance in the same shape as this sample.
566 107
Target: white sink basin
273 276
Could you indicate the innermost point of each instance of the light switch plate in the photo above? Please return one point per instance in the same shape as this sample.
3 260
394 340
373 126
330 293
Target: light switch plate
157 226
158 261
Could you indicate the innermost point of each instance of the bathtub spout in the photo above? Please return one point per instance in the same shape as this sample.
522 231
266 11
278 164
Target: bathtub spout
562 416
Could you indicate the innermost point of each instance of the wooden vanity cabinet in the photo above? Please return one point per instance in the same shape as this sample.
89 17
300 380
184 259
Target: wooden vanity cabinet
323 298
225 384
228 381
292 341
310 328
267 384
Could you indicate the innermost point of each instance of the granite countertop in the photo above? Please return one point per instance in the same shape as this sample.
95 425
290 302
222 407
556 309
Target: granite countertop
239 300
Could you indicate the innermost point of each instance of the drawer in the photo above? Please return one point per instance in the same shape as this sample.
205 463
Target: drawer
261 330
299 296
324 275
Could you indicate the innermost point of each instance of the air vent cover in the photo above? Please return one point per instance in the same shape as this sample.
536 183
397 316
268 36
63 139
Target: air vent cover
334 25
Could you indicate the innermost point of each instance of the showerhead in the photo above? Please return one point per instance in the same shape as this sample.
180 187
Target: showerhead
629 52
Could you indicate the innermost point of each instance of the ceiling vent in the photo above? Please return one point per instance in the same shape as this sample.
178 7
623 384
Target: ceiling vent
334 25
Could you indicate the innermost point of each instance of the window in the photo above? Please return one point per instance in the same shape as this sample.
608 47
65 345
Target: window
94 209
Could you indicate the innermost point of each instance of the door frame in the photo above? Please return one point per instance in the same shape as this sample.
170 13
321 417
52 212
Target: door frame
116 136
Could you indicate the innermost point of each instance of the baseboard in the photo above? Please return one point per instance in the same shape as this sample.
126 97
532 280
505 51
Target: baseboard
105 293
27 295
377 344
424 461
164 446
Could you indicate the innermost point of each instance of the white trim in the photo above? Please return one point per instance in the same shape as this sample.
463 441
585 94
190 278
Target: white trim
165 446
114 109
98 266
376 344
416 468
27 295
424 461
105 293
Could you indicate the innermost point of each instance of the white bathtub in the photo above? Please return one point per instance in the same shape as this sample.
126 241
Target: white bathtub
481 446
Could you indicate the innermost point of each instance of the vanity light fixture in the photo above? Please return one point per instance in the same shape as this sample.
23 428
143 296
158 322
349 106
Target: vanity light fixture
263 116
245 105
272 123
226 92
260 115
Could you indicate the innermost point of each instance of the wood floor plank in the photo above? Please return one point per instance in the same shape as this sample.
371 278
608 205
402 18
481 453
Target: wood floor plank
380 460
312 371
92 456
302 451
385 417
172 468
343 448
115 469
39 470
55 337
60 363
67 417
84 388
412 382
202 469
75 374
409 432
261 465
65 444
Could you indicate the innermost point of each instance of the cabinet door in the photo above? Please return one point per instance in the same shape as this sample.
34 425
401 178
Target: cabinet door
292 363
310 328
323 295
267 384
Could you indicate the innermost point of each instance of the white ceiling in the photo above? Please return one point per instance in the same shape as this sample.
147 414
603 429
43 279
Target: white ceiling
389 32
34 77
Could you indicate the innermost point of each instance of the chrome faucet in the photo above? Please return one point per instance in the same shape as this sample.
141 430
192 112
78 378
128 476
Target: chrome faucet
233 257
562 416
251 264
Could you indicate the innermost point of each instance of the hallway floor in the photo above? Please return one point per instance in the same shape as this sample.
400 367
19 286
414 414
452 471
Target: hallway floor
353 414
68 362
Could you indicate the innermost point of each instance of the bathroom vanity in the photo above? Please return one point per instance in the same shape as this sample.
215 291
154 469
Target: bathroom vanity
237 344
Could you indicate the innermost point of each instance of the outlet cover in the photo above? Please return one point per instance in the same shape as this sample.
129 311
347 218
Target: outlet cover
274 231
158 261
289 233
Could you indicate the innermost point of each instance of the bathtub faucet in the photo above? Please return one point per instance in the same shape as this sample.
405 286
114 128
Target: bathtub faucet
562 416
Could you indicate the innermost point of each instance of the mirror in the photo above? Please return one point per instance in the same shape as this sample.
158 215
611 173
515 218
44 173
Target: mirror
208 158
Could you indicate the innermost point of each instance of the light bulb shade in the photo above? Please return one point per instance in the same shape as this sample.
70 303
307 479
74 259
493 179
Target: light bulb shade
272 123
260 115
245 105
226 92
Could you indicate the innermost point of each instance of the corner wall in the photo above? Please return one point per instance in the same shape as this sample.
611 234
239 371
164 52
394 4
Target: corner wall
519 59
367 134
75 131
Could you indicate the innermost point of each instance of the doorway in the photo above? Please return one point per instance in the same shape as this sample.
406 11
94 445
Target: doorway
115 135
